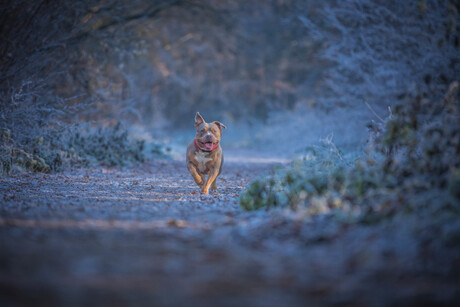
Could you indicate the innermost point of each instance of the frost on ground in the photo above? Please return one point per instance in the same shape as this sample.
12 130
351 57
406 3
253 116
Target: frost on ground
144 235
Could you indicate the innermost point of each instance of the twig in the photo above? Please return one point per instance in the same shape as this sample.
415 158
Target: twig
375 113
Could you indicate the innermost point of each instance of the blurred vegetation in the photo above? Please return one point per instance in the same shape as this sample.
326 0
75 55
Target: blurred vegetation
412 164
75 146
151 64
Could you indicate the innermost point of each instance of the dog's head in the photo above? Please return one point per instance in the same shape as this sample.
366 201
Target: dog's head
207 135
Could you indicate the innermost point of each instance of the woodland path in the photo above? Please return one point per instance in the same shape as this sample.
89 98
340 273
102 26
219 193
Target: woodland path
144 235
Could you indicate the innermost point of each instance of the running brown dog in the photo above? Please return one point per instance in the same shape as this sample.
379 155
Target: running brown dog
204 154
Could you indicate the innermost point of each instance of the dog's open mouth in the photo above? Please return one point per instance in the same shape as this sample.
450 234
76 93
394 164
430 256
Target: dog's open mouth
208 145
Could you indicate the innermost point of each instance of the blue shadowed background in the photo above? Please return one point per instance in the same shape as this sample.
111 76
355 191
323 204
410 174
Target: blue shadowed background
342 150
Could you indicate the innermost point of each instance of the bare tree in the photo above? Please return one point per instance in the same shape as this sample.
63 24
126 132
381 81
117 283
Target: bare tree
383 49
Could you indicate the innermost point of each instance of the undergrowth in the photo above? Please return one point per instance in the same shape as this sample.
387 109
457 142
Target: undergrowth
54 149
412 162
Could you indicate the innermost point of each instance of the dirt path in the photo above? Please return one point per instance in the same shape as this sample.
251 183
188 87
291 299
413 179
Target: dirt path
145 236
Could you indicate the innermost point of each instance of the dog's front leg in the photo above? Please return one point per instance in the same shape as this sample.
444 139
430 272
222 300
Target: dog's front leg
211 178
199 179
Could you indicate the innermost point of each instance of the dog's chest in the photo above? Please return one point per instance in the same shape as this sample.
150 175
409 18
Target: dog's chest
202 158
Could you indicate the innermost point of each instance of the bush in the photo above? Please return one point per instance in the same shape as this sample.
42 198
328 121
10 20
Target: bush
82 145
414 154
106 146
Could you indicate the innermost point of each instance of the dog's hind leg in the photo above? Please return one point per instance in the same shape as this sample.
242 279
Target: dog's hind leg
214 185
203 180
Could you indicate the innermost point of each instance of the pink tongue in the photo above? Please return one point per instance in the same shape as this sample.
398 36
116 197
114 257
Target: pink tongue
208 146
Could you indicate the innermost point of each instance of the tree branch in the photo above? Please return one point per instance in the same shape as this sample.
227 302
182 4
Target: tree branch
152 12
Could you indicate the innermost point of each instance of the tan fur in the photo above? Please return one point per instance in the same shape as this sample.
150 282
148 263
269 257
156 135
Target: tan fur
201 163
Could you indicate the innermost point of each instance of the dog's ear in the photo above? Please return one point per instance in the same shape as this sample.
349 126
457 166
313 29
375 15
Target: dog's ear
198 119
220 125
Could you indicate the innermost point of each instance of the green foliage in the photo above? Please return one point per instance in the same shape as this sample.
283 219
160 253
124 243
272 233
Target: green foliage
416 153
320 169
105 145
423 139
54 149
13 156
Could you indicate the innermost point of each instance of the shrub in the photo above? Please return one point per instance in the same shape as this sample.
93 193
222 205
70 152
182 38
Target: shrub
106 145
415 152
56 148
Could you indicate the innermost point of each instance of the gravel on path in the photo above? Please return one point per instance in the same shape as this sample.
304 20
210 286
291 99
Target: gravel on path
144 235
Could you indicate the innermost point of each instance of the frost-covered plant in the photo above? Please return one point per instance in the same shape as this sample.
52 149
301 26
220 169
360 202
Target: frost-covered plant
75 146
417 152
326 153
35 135
105 145
423 138
311 175
380 49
